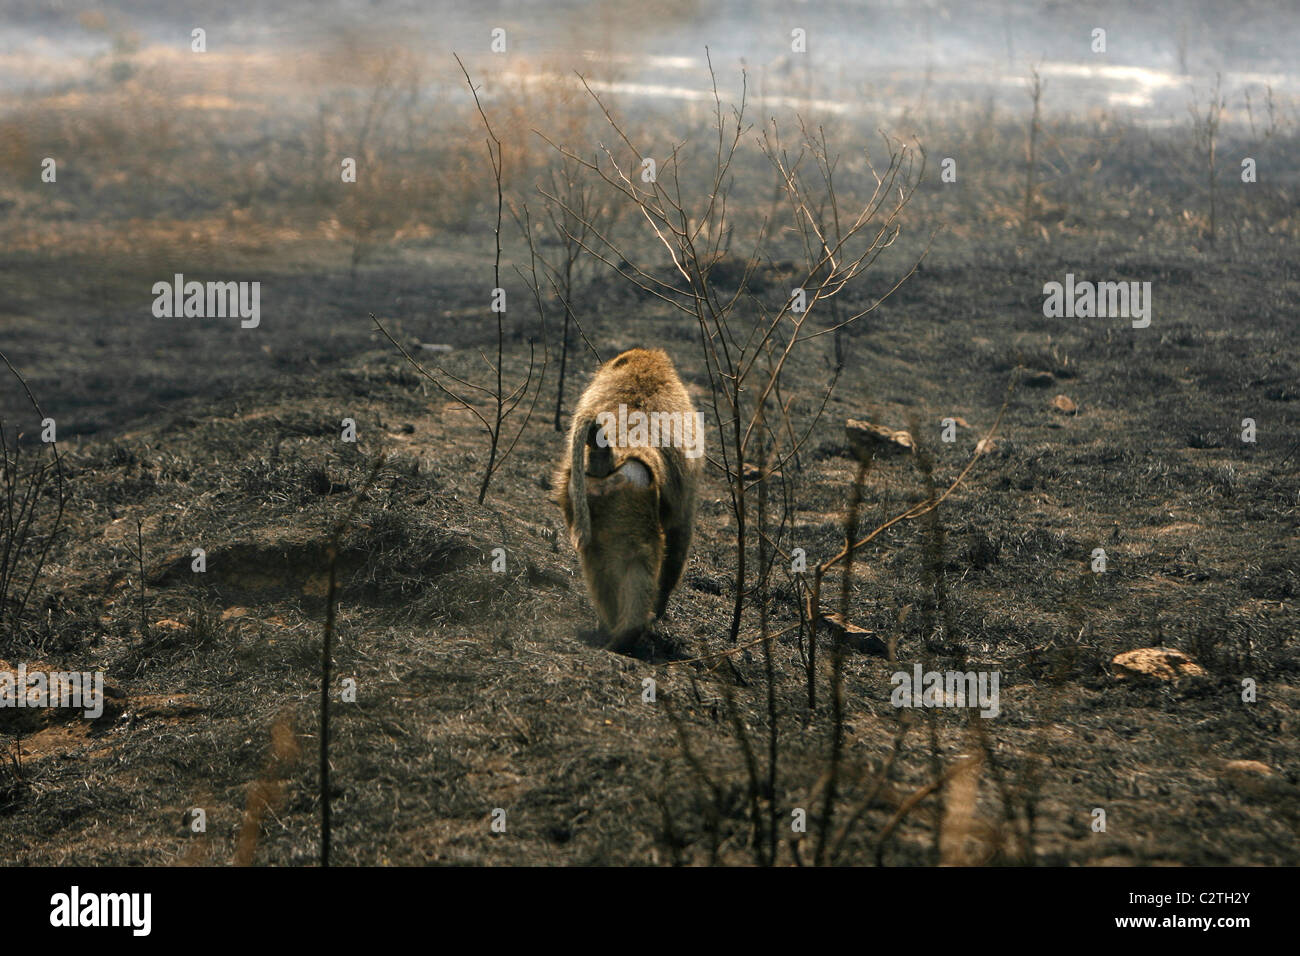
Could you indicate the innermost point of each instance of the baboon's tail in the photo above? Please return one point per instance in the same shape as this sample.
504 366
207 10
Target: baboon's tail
579 435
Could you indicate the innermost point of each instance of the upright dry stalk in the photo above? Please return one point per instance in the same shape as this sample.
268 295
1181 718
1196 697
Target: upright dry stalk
1036 85
327 657
501 403
714 808
497 161
364 212
326 665
769 668
572 215
22 490
933 603
139 553
837 670
266 793
1206 128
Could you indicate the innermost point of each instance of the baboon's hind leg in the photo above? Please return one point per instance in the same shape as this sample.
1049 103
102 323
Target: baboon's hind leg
677 543
629 605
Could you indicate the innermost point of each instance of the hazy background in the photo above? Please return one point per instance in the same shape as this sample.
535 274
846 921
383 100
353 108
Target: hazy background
957 53
225 164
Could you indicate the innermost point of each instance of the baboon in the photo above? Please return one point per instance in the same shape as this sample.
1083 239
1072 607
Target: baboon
627 487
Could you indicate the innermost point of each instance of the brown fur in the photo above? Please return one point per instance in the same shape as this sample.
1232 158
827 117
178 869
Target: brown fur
632 539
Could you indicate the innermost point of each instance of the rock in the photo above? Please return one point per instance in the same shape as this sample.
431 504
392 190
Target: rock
1155 663
1259 781
854 637
1248 768
753 472
870 441
1065 405
42 711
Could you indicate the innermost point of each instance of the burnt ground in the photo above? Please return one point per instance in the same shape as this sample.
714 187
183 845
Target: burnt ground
479 689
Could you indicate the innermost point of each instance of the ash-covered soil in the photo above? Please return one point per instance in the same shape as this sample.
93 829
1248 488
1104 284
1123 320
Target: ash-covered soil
478 689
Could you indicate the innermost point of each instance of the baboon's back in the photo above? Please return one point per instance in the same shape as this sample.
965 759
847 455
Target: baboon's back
645 380
642 379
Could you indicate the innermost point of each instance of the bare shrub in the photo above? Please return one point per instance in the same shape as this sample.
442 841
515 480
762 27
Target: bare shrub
745 359
32 500
501 403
